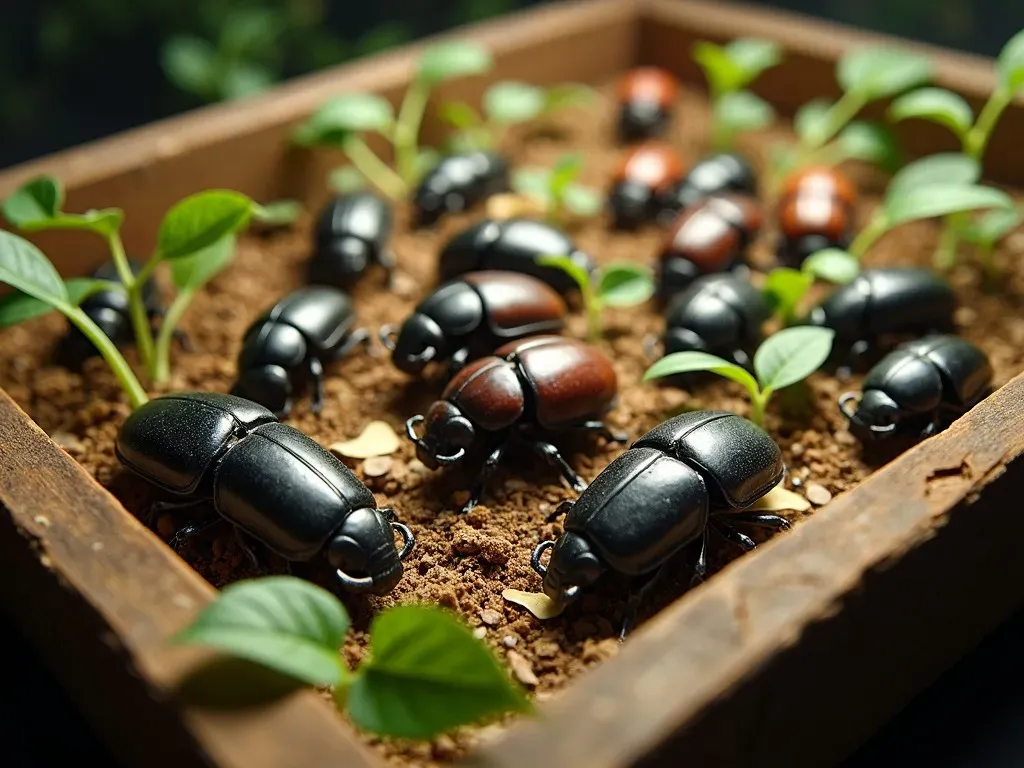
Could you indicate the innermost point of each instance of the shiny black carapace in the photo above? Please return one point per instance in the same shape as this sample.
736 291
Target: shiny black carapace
457 183
351 235
268 479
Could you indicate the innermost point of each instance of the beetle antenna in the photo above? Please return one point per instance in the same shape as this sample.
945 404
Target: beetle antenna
410 430
452 459
388 336
407 537
844 404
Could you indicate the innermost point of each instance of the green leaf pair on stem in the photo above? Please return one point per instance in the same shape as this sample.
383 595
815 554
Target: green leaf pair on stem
729 69
556 190
622 284
507 103
426 673
197 236
785 358
344 121
785 288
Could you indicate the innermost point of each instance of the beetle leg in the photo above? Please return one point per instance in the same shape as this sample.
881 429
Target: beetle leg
244 546
602 429
459 360
316 373
186 532
760 520
741 540
550 453
490 464
359 337
636 597
700 568
561 509
158 508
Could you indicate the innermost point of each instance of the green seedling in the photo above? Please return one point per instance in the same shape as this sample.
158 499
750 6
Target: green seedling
951 111
985 232
556 191
505 104
426 674
278 214
785 358
197 236
621 284
785 288
729 69
344 121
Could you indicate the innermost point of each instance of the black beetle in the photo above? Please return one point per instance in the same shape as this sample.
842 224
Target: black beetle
472 316
351 234
268 479
918 389
647 97
719 314
685 477
885 301
718 174
457 183
515 245
528 387
285 348
110 311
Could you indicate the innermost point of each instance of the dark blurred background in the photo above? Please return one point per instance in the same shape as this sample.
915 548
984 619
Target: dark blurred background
75 70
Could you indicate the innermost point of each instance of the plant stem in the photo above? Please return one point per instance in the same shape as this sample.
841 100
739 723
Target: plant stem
949 241
758 404
593 305
162 359
877 227
374 169
111 354
838 115
977 138
136 305
407 128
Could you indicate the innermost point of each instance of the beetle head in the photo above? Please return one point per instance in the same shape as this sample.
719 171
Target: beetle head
447 435
363 551
267 385
573 566
419 341
875 417
642 118
630 203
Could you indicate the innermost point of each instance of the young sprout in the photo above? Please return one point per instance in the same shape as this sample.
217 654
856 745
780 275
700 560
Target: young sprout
986 231
729 69
785 288
343 121
200 230
785 358
505 104
620 284
556 191
297 629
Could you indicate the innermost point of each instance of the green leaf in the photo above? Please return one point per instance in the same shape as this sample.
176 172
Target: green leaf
191 64
937 105
941 200
792 355
753 56
347 178
426 159
722 73
17 307
282 622
567 265
459 114
870 143
1010 64
243 79
37 200
24 267
190 273
567 170
992 226
201 220
342 115
427 674
534 183
624 284
942 168
743 111
582 201
691 362
447 61
784 288
512 102
877 72
809 120
279 213
832 264
568 95
104 222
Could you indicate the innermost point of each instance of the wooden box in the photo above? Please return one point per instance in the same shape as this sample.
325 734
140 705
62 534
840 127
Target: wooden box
791 656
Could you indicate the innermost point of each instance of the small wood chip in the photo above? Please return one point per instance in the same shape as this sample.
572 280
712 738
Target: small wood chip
779 499
480 633
521 669
377 439
537 603
818 494
490 617
509 205
377 466
404 285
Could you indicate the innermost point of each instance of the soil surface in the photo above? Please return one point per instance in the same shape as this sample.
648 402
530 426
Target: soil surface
464 562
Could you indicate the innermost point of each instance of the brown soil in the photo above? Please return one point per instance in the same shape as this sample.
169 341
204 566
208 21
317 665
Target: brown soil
464 562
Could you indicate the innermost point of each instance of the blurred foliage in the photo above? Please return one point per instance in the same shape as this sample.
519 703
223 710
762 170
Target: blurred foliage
73 70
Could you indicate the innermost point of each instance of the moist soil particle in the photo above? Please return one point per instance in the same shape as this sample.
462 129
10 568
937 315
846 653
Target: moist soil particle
463 562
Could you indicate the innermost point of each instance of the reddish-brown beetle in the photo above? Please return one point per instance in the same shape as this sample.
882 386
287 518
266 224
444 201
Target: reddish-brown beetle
708 238
646 96
527 388
471 316
645 175
815 211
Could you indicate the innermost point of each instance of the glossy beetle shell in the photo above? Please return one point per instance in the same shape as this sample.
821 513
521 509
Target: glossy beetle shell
646 96
816 211
719 314
457 183
352 232
721 173
511 245
643 177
